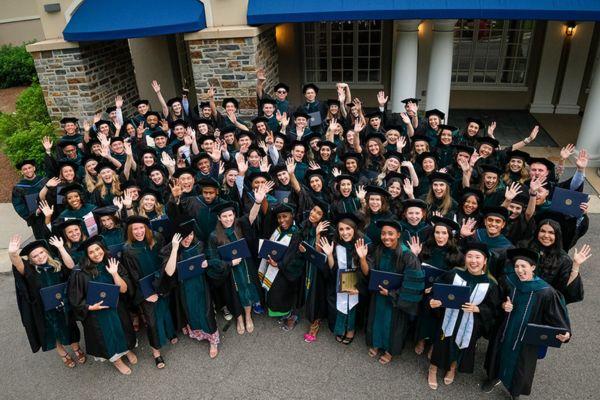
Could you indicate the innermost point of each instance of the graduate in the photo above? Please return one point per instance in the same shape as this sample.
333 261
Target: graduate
391 310
141 258
376 208
527 299
108 331
25 195
460 329
46 329
195 314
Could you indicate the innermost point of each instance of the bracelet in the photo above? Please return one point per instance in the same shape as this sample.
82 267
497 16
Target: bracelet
527 140
258 203
532 194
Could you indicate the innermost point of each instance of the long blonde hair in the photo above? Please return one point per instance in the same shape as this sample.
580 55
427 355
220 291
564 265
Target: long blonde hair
446 200
53 262
158 208
115 187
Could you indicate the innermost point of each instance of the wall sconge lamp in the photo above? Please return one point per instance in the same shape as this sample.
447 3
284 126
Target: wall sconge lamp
570 28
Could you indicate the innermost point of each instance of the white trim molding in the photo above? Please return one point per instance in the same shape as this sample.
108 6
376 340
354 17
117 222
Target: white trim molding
19 19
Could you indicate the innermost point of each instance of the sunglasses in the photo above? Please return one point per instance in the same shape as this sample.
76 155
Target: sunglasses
281 91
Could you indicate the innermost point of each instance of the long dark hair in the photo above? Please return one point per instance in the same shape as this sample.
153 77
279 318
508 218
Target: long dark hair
549 256
91 267
453 256
357 235
220 232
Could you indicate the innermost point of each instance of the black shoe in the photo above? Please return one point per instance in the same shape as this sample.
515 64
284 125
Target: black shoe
489 385
160 362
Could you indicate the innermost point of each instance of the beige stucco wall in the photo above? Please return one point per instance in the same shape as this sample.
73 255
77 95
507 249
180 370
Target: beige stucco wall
226 12
18 9
20 31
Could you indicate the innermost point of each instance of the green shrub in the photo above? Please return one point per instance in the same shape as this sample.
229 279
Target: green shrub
16 66
22 131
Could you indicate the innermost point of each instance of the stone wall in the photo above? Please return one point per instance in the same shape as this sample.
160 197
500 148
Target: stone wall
229 65
82 81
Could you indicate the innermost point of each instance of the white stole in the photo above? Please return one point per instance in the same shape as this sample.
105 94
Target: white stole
267 273
465 329
344 301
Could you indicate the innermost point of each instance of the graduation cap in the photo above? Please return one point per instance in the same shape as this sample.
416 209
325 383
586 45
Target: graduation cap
411 100
178 122
28 248
174 100
151 192
459 148
372 189
102 122
64 143
103 165
389 222
436 112
204 104
521 199
420 138
491 168
302 114
475 121
209 182
200 156
489 141
69 163
519 154
158 133
224 206
447 222
111 109
528 255
496 211
333 102
310 86
73 187
204 138
206 121
137 219
105 211
116 139
180 171
240 134
311 136
347 216
351 154
322 205
231 165
262 119
155 167
281 85
130 184
152 113
185 228
64 224
314 172
375 114
299 143
341 177
256 149
437 176
542 160
268 101
232 101
395 175
394 154
444 127
66 120
473 192
477 246
280 135
283 208
147 150
98 239
414 203
141 101
259 174
229 129
424 155
375 135
326 143
22 163
275 169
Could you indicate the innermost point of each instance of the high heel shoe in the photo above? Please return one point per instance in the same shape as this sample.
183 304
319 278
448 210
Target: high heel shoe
432 382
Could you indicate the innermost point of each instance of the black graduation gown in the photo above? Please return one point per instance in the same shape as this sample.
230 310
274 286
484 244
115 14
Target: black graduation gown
94 342
557 273
546 307
445 350
29 187
403 312
31 307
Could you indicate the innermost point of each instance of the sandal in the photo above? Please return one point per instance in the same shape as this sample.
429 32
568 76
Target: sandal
432 382
214 351
136 323
385 358
131 357
420 347
309 338
240 328
449 377
250 326
340 339
347 340
373 353
122 367
174 340
290 324
80 355
67 360
160 362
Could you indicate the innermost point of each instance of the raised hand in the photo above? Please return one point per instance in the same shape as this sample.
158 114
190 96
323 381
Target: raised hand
167 160
119 101
414 244
534 133
156 86
53 182
164 125
313 165
474 157
113 266
507 306
264 164
127 146
401 143
232 117
512 191
326 246
57 242
322 227
46 209
211 92
582 159
47 143
581 256
336 172
361 248
14 245
285 120
86 125
468 228
408 188
127 199
358 126
176 240
413 108
381 98
140 129
361 192
405 118
290 164
567 151
176 189
491 128
536 183
242 164
97 117
357 103
260 74
117 201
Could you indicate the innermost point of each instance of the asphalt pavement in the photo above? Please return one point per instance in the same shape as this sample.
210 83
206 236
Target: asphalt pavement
273 364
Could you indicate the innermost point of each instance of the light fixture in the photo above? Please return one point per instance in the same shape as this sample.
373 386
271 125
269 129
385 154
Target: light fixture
570 28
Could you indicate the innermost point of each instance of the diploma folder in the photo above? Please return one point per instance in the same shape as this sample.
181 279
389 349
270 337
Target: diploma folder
105 292
313 256
431 273
190 268
32 202
388 280
567 201
451 296
282 196
270 248
543 335
54 296
315 118
162 226
116 250
347 280
147 285
233 250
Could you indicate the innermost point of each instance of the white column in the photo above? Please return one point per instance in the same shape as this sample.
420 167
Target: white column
405 57
578 54
549 63
589 138
440 66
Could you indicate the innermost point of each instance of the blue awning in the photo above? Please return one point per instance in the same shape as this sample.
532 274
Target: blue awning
118 19
274 12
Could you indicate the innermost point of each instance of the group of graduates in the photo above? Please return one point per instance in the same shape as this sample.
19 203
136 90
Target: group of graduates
128 197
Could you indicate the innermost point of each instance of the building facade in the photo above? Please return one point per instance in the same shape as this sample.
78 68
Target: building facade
543 62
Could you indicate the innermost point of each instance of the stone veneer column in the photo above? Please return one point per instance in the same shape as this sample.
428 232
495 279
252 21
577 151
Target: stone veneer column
230 64
82 79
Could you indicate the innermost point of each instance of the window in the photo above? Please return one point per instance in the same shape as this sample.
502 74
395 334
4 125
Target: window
343 52
491 52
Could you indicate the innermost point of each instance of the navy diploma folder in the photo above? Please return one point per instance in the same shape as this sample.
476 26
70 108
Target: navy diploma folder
451 296
191 267
233 250
54 296
388 280
105 292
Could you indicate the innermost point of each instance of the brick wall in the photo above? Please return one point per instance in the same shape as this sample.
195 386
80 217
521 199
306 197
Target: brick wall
230 66
81 81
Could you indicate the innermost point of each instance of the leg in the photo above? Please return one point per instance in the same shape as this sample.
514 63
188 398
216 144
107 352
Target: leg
385 358
120 365
79 354
373 352
450 374
420 346
131 357
64 355
158 360
432 378
249 322
348 338
240 325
